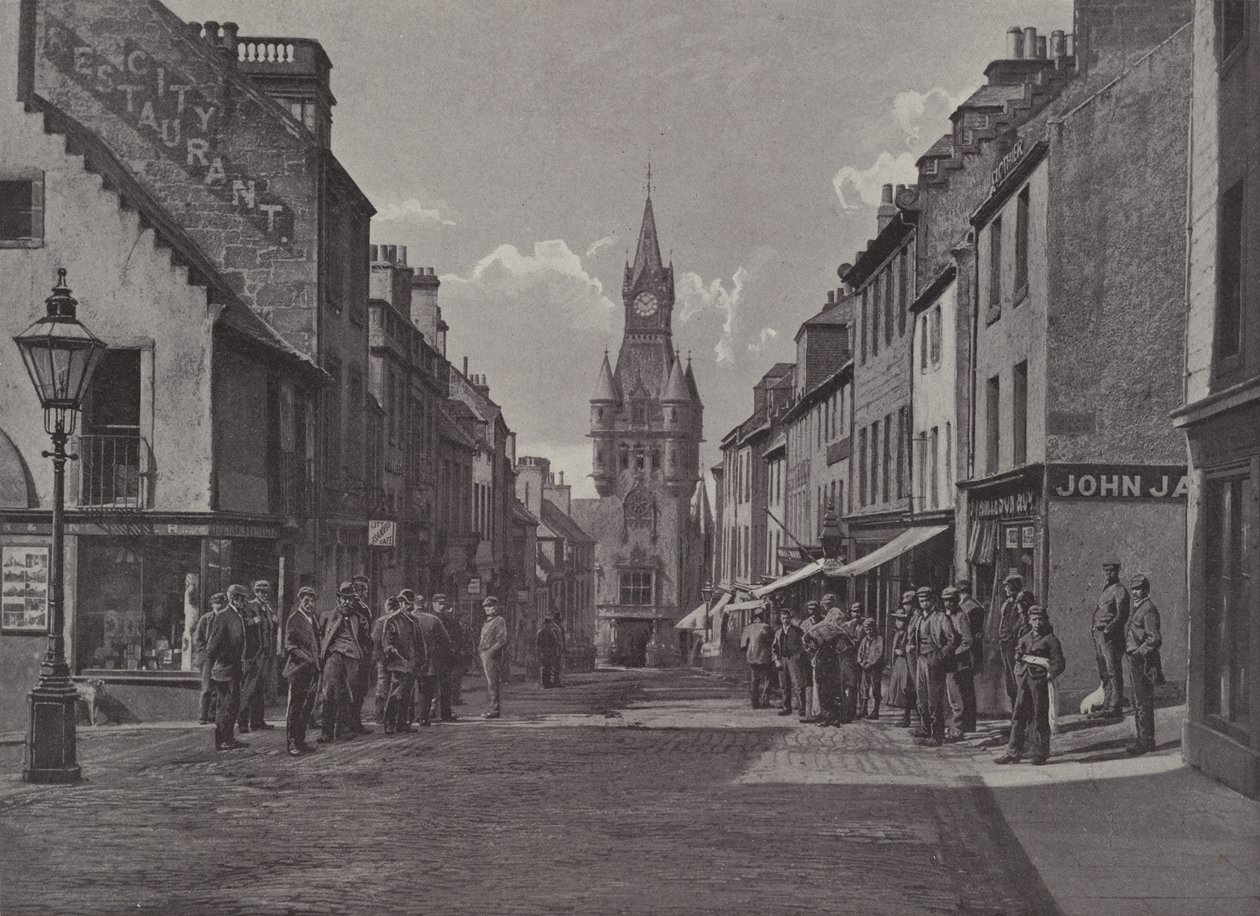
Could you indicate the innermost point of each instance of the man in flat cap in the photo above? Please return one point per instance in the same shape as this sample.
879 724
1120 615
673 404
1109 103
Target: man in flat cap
457 661
870 659
935 641
960 679
265 611
201 640
1038 661
437 654
548 649
492 645
341 654
788 649
301 670
1011 625
1110 617
1142 642
975 619
361 681
402 653
253 658
756 642
814 615
226 654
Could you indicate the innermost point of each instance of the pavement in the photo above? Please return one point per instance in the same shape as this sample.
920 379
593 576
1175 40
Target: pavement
625 792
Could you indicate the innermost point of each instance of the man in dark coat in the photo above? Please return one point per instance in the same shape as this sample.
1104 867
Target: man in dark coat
361 680
847 654
201 640
340 653
492 647
402 653
755 642
934 641
1011 624
226 652
453 670
1038 661
788 649
437 655
301 670
548 648
975 619
252 661
258 674
960 678
1142 642
813 616
1110 618
870 659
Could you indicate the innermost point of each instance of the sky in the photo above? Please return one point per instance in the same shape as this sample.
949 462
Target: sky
506 145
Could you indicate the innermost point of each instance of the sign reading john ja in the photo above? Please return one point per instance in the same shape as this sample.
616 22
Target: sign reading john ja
1107 481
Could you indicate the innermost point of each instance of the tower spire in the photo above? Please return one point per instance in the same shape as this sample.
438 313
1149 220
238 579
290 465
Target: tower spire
649 174
647 257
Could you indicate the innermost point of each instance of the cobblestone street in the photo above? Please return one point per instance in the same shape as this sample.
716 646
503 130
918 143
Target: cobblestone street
628 791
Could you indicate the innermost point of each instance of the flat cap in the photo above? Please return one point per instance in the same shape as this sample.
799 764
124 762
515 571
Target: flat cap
949 592
491 601
1111 564
923 592
360 578
439 597
1038 611
307 591
907 596
1138 580
869 622
261 583
1014 577
218 598
238 590
963 585
810 605
393 602
855 606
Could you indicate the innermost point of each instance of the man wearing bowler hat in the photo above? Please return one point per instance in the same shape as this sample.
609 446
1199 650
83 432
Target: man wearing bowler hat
1011 625
493 643
301 670
935 641
1111 615
960 678
341 654
226 654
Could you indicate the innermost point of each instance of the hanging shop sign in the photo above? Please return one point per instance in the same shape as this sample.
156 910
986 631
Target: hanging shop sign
1093 481
474 586
382 532
1008 505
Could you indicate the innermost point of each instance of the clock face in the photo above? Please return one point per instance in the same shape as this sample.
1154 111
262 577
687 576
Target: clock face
645 305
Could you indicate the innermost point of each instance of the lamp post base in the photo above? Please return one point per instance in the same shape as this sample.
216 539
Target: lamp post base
51 756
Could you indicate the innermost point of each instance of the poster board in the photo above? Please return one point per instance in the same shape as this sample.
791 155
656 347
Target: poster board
24 598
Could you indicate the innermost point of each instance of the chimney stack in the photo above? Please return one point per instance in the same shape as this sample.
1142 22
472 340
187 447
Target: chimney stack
211 36
402 255
373 253
1030 42
1041 47
465 367
831 297
1058 45
887 210
228 43
1014 43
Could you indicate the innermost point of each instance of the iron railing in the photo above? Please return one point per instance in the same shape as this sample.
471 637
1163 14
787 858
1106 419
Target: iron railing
115 470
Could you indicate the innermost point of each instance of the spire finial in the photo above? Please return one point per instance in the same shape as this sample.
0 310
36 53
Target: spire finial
649 173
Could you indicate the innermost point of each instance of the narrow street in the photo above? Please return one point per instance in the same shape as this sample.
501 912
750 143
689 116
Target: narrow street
627 791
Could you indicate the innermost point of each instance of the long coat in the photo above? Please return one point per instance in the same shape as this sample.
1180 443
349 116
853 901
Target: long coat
901 681
226 648
437 643
547 642
334 625
402 649
301 647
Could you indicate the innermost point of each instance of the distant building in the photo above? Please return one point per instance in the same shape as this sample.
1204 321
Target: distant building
646 428
1221 416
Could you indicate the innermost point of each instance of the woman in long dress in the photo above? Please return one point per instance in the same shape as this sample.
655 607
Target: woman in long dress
900 682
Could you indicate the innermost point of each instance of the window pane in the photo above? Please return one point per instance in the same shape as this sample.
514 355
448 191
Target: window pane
1229 247
995 264
1019 408
15 209
993 426
1021 240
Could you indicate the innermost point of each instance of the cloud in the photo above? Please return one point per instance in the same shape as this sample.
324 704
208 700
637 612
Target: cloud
411 210
601 243
913 110
717 299
861 187
767 335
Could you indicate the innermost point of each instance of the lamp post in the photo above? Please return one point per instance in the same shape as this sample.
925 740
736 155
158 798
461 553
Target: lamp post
60 356
706 592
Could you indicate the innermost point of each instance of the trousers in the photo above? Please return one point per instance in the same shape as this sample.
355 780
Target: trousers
962 700
849 687
207 690
336 697
872 691
930 694
1007 653
793 682
493 669
382 692
1142 672
1032 710
428 687
400 685
227 696
549 671
759 675
250 714
1108 652
302 689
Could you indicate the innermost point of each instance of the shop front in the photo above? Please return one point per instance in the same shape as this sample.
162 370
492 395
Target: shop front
1222 729
134 593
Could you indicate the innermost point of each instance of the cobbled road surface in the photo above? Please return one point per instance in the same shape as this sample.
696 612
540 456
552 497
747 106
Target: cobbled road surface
623 792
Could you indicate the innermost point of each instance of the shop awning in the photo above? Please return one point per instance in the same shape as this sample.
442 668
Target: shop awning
721 605
805 572
907 540
748 605
695 620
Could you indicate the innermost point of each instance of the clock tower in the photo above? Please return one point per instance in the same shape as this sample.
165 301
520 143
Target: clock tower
651 521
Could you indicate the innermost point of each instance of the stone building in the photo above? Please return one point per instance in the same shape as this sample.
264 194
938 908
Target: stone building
646 428
1221 415
182 484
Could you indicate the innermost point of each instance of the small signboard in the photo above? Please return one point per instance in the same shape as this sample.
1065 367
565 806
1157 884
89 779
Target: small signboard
474 585
382 532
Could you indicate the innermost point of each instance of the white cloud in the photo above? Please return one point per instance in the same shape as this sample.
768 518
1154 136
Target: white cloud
861 187
718 299
601 243
914 110
767 335
412 210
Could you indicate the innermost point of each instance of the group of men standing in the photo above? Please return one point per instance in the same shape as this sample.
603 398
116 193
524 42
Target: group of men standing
938 648
418 654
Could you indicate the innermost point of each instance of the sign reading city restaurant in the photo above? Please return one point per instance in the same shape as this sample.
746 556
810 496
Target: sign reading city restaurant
1102 481
382 532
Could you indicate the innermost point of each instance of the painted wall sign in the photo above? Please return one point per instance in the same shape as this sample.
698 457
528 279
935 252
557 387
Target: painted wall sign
1008 162
1020 502
1089 481
169 109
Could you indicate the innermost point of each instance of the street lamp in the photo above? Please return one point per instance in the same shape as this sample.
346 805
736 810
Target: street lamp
832 536
706 592
60 356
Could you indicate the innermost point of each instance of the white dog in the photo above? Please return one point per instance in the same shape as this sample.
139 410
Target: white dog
1094 701
90 690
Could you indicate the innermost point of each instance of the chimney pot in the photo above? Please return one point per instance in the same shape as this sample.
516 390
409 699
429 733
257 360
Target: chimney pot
1030 43
1041 47
831 297
562 478
1014 43
430 271
1058 44
195 28
402 255
887 194
373 252
230 30
465 366
212 31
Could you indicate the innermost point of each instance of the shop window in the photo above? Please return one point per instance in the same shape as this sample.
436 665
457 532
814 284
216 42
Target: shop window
135 601
22 210
1019 412
993 424
1228 617
1229 250
1231 25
